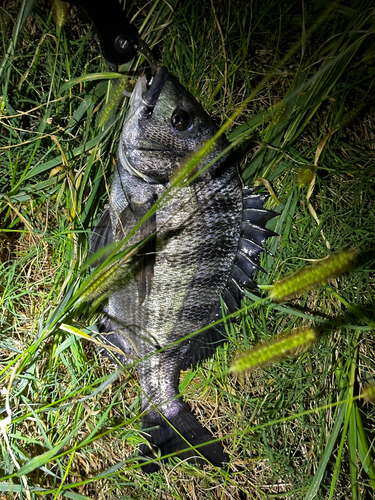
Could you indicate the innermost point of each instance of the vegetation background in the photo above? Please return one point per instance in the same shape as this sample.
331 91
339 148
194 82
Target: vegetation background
299 429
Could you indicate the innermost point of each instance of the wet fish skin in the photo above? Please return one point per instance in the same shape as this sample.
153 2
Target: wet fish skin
179 277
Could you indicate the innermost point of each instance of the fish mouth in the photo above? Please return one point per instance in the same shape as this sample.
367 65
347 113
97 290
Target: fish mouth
152 85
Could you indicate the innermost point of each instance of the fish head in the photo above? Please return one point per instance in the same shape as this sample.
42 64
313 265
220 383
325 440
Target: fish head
165 125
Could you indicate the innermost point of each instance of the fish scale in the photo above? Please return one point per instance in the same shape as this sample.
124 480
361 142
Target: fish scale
203 243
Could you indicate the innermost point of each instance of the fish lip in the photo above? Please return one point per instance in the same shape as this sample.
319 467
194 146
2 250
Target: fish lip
150 93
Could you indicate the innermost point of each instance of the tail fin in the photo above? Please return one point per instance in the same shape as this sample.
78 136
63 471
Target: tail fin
161 433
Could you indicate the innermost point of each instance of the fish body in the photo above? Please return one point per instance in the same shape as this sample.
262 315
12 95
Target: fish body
197 251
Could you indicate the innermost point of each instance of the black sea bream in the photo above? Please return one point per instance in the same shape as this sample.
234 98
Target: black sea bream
206 243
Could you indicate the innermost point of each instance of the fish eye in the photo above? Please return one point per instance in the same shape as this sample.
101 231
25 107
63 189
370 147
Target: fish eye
181 119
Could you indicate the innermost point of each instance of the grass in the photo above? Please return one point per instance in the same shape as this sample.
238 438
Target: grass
297 81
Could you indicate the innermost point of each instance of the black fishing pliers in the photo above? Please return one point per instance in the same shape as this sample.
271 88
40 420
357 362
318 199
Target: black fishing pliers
119 40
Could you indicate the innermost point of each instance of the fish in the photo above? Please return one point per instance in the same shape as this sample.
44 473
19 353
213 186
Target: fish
202 247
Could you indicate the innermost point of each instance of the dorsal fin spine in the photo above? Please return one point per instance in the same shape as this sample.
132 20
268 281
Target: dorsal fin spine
249 247
252 261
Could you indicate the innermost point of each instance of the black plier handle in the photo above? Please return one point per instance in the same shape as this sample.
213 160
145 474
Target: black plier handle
119 40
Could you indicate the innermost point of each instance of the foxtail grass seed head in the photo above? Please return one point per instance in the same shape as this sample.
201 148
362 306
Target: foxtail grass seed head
368 393
368 56
311 277
349 116
304 176
280 111
281 347
60 12
116 95
110 277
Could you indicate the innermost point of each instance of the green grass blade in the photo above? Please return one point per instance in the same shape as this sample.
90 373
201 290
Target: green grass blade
331 442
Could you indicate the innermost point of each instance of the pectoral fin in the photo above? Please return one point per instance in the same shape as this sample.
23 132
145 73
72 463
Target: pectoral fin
128 219
147 259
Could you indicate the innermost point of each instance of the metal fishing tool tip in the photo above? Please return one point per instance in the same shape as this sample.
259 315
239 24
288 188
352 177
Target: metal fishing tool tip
143 49
152 86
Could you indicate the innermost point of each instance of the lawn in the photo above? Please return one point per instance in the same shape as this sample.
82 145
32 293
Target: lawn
292 85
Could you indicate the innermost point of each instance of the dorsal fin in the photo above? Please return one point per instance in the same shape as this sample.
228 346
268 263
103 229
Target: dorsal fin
252 200
250 246
257 216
